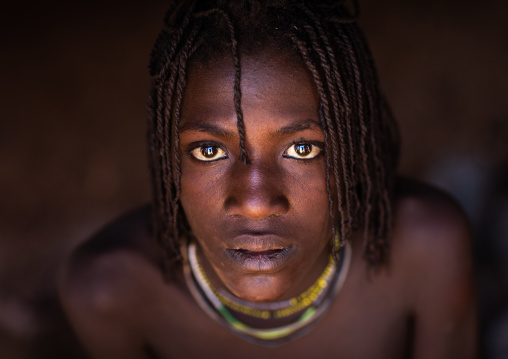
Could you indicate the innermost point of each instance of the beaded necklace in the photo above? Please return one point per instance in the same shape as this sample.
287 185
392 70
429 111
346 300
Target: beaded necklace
312 303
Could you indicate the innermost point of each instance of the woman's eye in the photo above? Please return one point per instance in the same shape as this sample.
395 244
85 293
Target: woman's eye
304 151
208 153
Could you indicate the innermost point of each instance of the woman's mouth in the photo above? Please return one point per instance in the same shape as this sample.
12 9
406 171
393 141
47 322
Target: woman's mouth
268 260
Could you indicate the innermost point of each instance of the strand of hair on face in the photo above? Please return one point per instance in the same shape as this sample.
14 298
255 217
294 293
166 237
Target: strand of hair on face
244 157
330 113
339 101
325 123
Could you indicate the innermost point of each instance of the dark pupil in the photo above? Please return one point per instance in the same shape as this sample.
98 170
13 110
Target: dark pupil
209 151
303 150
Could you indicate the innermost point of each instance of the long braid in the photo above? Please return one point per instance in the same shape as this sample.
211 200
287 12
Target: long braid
325 123
365 172
165 61
164 88
180 87
350 68
163 165
331 113
341 108
376 249
357 145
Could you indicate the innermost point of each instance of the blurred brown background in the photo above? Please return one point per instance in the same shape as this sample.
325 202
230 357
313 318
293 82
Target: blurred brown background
72 135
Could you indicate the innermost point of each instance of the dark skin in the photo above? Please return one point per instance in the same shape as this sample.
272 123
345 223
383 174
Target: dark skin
419 305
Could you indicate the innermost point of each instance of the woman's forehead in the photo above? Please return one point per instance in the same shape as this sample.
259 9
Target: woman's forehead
277 82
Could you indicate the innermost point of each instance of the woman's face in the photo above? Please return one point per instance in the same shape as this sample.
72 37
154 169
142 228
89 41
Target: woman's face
263 230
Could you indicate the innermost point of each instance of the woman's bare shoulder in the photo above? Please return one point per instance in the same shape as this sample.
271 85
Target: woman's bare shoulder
432 254
106 278
128 236
120 249
131 231
429 221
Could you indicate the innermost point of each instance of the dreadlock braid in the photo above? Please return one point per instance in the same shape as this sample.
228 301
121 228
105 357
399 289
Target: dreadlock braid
360 134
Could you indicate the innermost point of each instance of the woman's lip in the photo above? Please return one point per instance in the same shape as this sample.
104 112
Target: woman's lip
258 242
267 260
269 252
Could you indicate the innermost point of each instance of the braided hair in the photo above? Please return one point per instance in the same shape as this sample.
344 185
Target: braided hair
360 134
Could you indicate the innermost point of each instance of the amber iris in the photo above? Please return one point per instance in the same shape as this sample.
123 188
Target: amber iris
303 149
209 151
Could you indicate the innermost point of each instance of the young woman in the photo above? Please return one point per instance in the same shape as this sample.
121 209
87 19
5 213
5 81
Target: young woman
278 228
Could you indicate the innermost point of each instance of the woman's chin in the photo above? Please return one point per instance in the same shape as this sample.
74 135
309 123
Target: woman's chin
260 290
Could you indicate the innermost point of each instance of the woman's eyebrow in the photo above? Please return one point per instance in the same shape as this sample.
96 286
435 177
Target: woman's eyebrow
208 128
308 124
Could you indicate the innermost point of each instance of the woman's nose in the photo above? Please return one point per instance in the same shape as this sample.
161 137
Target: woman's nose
256 192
